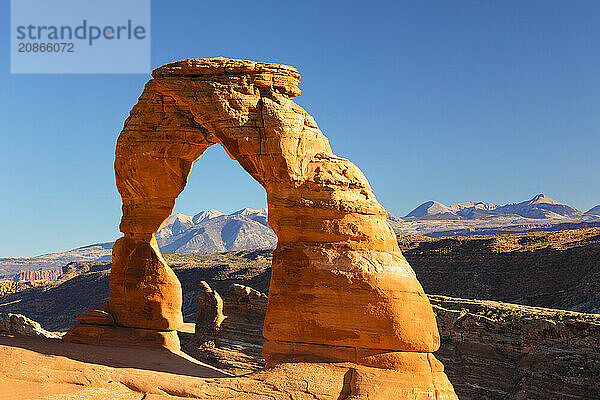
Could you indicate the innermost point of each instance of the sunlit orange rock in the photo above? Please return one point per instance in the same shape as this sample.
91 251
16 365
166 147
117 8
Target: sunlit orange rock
340 291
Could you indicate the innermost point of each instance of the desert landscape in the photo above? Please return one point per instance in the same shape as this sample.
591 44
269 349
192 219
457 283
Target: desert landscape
349 304
300 200
535 343
211 230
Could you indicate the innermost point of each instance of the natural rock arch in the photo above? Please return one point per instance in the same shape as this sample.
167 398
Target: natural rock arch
340 291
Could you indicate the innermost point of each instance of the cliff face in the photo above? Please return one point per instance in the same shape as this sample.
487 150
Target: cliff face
495 350
542 269
38 275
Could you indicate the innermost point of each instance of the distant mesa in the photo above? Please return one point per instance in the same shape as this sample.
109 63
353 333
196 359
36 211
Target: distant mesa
38 275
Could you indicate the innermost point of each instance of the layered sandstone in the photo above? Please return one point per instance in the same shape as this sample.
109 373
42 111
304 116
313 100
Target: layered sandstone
340 290
38 275
501 351
233 341
491 350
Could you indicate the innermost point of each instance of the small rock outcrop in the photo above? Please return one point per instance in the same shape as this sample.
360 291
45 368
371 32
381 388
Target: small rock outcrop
18 324
340 290
209 315
243 300
236 345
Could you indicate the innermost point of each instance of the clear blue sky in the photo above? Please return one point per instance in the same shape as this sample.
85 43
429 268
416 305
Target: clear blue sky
446 100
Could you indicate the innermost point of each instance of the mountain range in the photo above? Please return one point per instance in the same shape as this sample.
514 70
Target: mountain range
540 207
206 232
214 231
540 213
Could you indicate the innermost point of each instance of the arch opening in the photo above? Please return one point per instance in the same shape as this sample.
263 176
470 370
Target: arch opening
217 182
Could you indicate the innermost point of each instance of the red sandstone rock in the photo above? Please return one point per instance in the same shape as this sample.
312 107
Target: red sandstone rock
209 314
339 280
143 291
122 336
97 317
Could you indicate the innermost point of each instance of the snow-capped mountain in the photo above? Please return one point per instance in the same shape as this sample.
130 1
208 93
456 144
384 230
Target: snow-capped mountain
213 231
541 212
472 210
205 232
432 210
539 207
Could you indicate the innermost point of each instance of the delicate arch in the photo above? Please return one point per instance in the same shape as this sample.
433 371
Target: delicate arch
340 288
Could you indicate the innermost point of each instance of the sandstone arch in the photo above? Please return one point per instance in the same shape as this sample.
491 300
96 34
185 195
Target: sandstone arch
341 291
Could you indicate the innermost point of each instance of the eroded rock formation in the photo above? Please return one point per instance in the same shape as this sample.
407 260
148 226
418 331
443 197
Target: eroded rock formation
209 315
21 325
234 342
340 292
490 350
38 275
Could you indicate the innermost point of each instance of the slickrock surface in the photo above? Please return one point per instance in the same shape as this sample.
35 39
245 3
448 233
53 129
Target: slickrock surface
53 369
340 289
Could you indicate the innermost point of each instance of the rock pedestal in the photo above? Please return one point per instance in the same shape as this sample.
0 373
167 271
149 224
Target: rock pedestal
340 291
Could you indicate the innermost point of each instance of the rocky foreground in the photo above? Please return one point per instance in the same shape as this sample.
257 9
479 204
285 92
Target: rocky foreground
52 369
490 350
